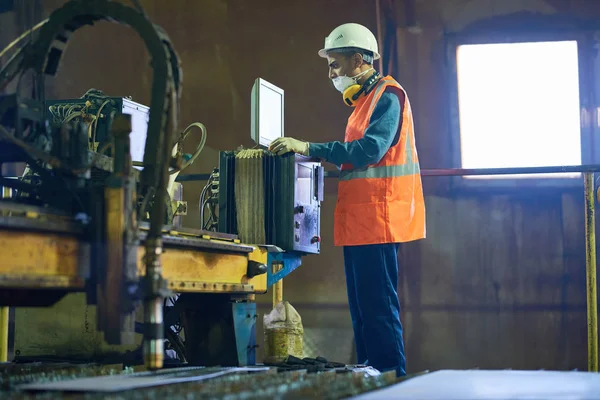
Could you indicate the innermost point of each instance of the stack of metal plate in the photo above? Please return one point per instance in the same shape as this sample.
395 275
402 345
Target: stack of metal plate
198 383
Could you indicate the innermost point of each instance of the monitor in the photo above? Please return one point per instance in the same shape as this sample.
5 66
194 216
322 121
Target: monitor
266 113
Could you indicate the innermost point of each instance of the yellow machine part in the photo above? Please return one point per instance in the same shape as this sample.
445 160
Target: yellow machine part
39 260
209 272
43 260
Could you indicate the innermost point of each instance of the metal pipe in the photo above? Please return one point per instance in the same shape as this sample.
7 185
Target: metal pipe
510 171
4 311
277 292
590 267
277 286
4 334
455 172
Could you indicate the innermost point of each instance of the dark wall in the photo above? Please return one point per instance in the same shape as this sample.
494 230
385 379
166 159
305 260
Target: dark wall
500 280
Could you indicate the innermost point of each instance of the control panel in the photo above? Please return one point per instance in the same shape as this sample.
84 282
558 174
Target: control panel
308 195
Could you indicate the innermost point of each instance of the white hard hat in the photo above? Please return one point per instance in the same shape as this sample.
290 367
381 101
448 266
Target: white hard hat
350 35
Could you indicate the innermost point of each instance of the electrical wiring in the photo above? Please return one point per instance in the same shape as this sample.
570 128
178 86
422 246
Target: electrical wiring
209 202
84 116
202 204
182 137
65 113
95 122
201 144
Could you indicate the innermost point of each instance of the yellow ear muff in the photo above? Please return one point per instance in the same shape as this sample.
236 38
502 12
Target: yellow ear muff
349 94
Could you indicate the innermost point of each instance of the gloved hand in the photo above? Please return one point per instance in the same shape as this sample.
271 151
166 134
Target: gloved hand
284 145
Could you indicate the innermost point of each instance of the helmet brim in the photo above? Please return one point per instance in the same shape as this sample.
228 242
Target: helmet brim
323 52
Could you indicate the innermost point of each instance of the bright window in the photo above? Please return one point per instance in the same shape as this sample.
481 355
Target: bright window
519 105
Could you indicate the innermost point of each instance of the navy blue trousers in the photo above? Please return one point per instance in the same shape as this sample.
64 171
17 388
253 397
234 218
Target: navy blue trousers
372 284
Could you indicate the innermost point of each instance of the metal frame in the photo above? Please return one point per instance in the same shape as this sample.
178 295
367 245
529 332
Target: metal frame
590 149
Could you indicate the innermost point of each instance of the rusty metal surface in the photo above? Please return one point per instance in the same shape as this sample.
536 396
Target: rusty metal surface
110 288
42 260
590 272
197 382
124 382
41 282
209 287
12 375
61 260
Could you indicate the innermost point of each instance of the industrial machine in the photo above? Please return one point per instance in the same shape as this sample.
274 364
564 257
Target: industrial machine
97 209
97 213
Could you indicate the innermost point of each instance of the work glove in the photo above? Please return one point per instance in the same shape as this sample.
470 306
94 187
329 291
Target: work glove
284 145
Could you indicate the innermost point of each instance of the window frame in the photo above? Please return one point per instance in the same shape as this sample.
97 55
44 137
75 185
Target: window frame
588 63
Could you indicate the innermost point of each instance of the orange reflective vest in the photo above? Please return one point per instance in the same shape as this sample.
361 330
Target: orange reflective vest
383 202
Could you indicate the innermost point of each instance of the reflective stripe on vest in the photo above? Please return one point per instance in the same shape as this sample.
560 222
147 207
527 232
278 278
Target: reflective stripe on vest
385 171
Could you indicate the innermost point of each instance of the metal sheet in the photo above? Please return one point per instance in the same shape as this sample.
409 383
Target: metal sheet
15 374
117 383
144 226
197 243
493 385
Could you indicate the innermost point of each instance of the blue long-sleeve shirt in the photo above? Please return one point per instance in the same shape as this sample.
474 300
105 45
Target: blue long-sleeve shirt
380 135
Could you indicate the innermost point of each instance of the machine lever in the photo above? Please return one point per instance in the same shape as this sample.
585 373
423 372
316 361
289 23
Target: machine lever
255 268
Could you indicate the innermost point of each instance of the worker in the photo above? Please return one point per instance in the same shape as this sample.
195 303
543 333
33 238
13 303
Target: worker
380 196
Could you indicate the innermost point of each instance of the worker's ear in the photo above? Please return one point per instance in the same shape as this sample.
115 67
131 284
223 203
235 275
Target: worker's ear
357 60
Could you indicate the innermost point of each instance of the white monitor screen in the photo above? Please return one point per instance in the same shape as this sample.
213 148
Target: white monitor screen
267 112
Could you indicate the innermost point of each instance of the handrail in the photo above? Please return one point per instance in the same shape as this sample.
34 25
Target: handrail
456 171
590 228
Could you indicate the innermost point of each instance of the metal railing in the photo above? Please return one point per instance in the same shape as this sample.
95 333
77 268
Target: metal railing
590 228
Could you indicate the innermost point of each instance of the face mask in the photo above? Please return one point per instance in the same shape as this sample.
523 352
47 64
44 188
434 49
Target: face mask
342 83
